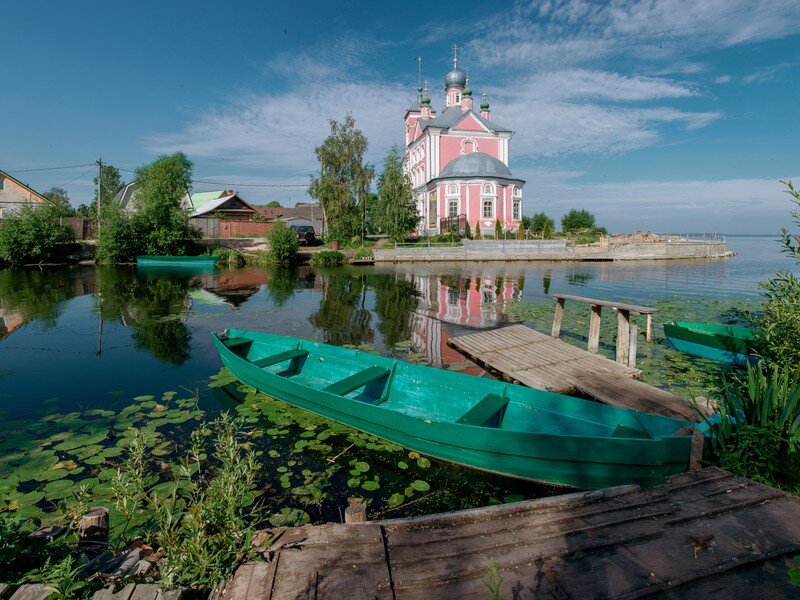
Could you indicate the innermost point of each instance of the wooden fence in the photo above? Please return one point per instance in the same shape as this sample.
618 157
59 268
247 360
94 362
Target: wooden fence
213 228
84 229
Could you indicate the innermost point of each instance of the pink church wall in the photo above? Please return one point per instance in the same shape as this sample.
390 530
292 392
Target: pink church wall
470 124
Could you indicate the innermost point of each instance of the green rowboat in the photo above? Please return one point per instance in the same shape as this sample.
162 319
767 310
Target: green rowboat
727 343
195 262
473 421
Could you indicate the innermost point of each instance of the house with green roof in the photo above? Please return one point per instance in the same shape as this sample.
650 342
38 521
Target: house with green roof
225 203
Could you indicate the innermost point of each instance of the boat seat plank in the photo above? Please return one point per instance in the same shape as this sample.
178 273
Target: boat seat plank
280 357
356 380
485 410
232 343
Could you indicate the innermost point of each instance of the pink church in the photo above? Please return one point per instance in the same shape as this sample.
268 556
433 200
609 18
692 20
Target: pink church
458 162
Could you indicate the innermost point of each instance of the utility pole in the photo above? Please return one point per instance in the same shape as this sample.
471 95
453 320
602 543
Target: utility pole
99 188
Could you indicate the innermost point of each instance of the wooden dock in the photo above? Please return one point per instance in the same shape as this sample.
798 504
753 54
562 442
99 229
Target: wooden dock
704 533
523 355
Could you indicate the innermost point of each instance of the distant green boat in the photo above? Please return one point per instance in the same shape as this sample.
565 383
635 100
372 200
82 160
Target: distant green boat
731 344
204 261
473 421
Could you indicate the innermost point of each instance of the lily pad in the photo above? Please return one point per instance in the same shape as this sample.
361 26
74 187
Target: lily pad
420 485
396 500
289 517
370 486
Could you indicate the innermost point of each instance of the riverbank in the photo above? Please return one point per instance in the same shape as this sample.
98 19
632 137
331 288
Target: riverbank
668 248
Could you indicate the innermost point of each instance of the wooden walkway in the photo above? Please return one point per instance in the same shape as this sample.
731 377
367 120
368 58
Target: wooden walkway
523 355
703 533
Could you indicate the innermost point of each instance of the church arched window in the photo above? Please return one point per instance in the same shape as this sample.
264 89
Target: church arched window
488 189
488 209
453 189
517 191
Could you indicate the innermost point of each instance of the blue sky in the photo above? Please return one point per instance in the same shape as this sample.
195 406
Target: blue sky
669 115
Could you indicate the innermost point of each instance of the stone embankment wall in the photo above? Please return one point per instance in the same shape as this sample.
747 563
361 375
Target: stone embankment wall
552 250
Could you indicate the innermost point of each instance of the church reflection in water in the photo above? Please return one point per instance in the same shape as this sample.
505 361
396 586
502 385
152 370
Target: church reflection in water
464 302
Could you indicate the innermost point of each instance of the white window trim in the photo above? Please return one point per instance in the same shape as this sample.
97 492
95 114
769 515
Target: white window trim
494 208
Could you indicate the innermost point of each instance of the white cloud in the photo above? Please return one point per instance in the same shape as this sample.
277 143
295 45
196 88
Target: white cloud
578 32
767 73
279 131
723 79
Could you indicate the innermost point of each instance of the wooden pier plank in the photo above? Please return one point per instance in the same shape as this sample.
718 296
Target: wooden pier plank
523 355
695 531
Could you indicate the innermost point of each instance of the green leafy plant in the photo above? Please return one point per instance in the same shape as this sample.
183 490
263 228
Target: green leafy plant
396 211
756 427
207 535
328 258
33 235
478 234
493 580
283 244
65 578
498 229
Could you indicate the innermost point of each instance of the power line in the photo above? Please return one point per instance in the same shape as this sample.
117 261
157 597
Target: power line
234 184
49 168
76 178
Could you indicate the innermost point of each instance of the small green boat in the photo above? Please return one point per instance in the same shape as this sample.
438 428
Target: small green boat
204 261
731 344
473 421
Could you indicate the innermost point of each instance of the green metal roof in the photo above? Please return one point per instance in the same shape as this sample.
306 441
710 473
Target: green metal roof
202 198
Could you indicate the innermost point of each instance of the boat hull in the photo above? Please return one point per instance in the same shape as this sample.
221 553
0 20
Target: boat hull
724 343
578 461
192 262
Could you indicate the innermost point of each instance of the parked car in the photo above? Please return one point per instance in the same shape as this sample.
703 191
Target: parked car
305 234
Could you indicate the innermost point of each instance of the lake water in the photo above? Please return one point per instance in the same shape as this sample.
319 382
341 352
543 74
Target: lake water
83 338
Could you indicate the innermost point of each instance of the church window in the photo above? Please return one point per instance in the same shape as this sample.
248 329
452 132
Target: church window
452 208
452 189
458 97
517 210
488 209
516 191
487 189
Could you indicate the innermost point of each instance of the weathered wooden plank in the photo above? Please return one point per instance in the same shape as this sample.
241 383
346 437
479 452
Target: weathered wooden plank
623 336
251 580
558 317
594 329
3 589
32 591
331 561
643 310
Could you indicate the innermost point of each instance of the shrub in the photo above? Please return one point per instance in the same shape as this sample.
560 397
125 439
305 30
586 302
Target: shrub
777 326
229 257
478 234
117 239
327 258
34 234
498 229
467 231
577 219
283 244
756 429
362 253
541 223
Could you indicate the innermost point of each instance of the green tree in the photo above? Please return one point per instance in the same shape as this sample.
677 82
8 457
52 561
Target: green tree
283 244
525 222
344 180
117 239
111 184
467 231
273 204
34 234
84 211
577 219
478 234
541 222
498 229
60 199
396 210
159 220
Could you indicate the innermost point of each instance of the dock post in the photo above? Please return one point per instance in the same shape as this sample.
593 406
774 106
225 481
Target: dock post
355 513
594 329
558 317
632 345
649 335
623 335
